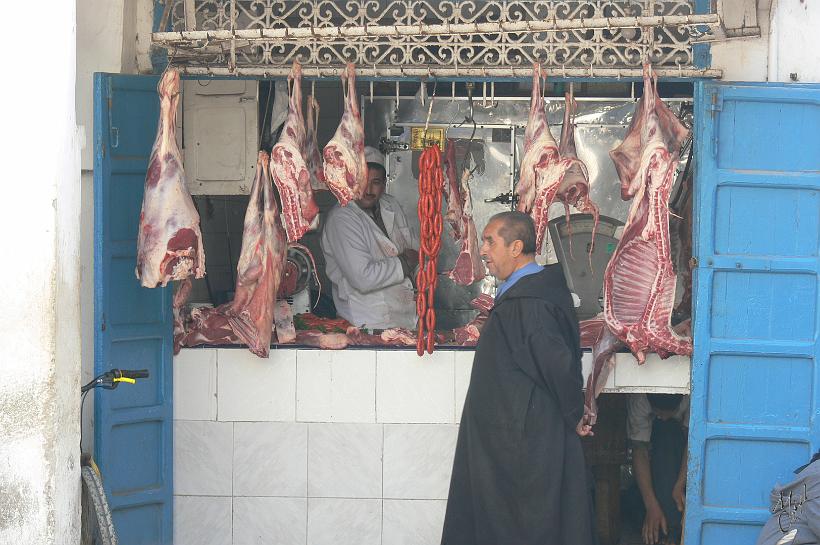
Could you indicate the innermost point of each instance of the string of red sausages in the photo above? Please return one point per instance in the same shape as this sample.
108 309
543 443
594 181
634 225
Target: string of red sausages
431 185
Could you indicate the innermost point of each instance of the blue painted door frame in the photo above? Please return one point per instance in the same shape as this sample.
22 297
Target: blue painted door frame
755 379
133 436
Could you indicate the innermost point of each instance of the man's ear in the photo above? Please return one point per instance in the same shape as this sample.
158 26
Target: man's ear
517 248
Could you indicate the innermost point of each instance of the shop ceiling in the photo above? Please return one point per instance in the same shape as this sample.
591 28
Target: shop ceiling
391 39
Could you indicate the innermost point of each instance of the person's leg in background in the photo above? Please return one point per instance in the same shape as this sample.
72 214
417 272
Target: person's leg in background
668 445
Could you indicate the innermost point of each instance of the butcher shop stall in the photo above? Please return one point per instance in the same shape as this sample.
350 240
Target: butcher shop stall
217 175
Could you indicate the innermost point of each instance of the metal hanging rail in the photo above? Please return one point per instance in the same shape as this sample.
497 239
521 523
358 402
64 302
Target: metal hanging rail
189 37
387 73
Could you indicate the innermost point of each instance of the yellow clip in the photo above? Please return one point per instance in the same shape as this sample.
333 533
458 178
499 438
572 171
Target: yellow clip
125 379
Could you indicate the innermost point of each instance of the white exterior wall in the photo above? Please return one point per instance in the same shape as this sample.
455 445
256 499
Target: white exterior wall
788 44
39 372
794 44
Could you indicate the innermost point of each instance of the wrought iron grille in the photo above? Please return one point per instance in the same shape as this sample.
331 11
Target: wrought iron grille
456 37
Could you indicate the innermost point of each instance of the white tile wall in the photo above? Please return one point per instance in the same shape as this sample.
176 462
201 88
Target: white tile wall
203 458
334 521
195 384
345 461
336 386
270 459
418 460
410 389
202 520
464 368
269 521
256 389
413 522
315 448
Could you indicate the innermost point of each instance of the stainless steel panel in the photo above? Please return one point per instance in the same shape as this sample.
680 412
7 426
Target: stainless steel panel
601 126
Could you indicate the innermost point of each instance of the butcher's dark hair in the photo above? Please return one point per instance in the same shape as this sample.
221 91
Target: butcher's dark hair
664 402
377 166
517 226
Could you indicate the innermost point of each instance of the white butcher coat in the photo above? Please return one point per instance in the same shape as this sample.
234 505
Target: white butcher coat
369 287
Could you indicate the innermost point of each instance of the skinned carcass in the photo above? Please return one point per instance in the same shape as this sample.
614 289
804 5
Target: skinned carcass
345 167
574 188
169 241
249 317
289 169
542 169
469 267
639 281
313 157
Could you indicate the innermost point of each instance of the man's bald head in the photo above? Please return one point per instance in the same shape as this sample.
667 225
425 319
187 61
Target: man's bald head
517 226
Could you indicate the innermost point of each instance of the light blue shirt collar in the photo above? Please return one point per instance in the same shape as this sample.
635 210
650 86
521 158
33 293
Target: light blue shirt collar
528 269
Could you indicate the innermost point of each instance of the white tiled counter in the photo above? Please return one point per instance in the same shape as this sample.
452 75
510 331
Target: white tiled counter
329 447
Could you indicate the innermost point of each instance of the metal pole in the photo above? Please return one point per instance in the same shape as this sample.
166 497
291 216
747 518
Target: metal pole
392 73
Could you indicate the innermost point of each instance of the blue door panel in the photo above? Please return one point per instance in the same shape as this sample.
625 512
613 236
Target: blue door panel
755 379
133 425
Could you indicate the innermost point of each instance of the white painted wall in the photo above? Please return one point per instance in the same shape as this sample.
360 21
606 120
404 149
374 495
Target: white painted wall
794 45
39 286
743 59
789 42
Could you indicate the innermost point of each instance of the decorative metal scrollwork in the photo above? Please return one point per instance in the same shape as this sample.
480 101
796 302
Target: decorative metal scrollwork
600 47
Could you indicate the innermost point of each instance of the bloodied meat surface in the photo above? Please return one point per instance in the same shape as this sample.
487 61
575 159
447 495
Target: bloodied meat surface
345 167
169 241
290 169
248 318
639 281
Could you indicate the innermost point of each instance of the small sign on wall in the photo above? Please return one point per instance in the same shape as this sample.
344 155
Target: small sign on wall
419 140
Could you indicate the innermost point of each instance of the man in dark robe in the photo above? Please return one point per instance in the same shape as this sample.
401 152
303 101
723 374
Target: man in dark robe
519 476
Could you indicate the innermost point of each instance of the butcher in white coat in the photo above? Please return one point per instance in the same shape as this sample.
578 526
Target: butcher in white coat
371 256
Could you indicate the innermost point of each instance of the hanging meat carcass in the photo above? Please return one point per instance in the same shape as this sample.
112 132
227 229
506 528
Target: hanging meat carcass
469 267
169 242
542 168
289 169
249 317
345 167
549 171
313 157
574 188
639 281
455 209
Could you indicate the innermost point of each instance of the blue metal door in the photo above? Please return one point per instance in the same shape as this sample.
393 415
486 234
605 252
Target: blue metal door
755 374
133 325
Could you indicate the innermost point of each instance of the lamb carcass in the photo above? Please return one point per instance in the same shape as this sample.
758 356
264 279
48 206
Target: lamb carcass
469 267
345 167
639 281
289 169
574 188
313 157
169 242
249 317
542 169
